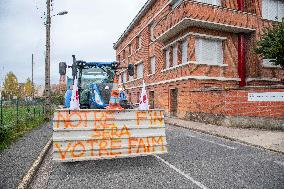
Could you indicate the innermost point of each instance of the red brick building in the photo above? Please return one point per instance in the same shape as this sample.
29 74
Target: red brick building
198 62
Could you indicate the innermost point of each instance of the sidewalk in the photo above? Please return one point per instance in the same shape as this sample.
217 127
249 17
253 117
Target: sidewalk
272 140
16 160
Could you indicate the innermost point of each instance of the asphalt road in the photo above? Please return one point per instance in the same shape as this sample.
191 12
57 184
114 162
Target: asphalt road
18 158
195 160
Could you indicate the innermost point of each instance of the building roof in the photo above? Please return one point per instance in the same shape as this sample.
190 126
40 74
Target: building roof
137 18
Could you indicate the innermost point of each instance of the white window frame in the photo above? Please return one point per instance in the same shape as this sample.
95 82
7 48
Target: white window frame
140 72
184 50
267 10
211 2
153 65
167 57
199 52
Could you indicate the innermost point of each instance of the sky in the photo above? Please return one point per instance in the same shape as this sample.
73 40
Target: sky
88 30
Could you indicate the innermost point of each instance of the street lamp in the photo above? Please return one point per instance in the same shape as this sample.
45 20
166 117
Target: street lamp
62 13
47 59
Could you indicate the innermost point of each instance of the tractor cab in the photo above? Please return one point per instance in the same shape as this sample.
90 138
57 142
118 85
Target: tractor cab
95 81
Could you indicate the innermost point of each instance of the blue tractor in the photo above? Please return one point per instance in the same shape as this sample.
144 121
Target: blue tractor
95 82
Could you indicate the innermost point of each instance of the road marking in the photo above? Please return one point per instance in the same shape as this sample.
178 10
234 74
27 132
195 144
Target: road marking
181 172
223 145
279 163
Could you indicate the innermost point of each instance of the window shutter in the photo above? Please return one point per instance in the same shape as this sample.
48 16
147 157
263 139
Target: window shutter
175 57
280 10
119 79
176 3
167 58
131 78
219 53
124 76
153 65
184 52
140 70
209 51
264 9
272 10
198 44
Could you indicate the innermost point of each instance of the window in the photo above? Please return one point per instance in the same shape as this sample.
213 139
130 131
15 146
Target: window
124 77
139 70
167 57
151 99
118 58
152 38
175 3
267 63
130 49
184 46
119 78
153 65
209 51
131 78
212 2
175 55
273 10
138 42
123 55
138 97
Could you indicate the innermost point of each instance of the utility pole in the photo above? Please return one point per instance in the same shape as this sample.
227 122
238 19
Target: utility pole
47 63
47 89
33 76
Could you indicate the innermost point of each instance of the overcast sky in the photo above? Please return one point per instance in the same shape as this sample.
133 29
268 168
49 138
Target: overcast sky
88 30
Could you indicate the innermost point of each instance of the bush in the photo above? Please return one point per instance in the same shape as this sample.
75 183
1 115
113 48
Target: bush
271 45
13 128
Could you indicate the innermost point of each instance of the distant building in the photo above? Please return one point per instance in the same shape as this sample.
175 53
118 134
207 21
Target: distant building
39 90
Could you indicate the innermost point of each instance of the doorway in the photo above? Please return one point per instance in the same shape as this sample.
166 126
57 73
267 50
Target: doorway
151 100
173 102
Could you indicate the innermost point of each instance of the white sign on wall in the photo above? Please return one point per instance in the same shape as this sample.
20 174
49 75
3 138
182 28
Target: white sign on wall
266 97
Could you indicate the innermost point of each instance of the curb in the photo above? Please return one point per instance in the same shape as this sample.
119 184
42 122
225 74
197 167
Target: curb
35 166
225 137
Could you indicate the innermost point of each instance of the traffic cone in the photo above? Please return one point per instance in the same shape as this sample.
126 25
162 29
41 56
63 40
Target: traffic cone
114 98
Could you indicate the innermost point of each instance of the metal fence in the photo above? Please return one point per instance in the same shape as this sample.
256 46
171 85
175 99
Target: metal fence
15 112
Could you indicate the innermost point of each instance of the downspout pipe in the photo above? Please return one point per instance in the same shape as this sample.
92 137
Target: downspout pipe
241 5
241 60
241 51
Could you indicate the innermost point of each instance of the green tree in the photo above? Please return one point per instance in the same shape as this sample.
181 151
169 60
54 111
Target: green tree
28 88
11 85
271 45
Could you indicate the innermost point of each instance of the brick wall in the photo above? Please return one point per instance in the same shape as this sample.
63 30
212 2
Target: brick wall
237 104
194 81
